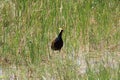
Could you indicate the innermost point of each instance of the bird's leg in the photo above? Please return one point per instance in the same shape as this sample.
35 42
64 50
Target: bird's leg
62 56
49 55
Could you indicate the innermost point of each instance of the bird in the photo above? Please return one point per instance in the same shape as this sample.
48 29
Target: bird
57 43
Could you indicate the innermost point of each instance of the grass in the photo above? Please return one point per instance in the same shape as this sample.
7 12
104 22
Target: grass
91 39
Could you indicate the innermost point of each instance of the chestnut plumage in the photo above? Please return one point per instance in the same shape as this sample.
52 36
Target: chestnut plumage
57 43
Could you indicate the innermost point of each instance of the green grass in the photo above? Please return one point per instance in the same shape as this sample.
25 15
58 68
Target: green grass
91 29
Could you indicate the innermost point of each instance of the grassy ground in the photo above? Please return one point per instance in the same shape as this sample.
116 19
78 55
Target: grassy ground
91 38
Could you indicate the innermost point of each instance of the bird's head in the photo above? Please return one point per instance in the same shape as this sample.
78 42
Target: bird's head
61 29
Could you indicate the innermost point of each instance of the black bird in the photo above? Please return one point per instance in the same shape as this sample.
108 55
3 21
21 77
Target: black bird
57 43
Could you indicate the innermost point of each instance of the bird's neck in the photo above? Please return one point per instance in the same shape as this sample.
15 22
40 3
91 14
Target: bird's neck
60 34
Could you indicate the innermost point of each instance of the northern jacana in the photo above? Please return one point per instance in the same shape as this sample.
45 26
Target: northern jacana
57 43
